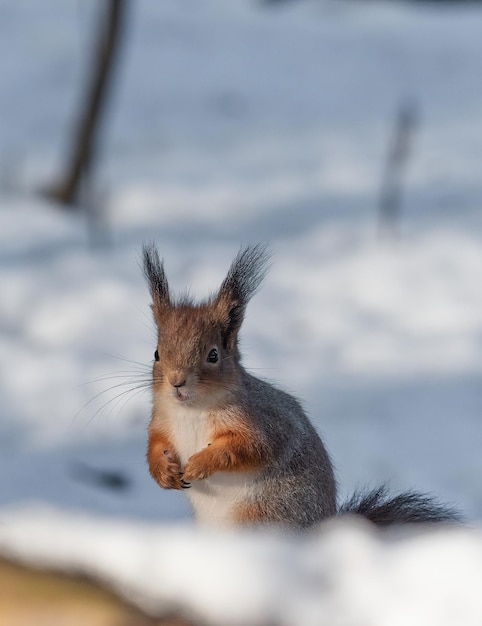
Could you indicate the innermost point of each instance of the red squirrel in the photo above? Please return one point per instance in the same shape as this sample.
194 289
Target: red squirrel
244 451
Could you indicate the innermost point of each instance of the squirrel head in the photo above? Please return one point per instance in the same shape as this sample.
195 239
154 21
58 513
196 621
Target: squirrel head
197 356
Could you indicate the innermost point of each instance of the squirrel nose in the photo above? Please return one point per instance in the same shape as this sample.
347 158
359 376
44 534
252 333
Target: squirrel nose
177 380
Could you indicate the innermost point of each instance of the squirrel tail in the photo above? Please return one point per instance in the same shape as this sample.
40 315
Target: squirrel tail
409 507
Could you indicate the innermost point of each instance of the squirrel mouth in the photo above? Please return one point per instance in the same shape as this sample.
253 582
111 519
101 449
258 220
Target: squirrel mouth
182 397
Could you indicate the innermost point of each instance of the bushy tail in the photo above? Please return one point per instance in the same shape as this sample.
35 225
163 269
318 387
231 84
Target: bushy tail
406 508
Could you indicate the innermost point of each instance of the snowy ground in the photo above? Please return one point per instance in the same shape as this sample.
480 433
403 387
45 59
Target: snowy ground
342 574
233 123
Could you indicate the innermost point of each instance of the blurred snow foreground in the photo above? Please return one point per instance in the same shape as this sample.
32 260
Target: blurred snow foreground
343 573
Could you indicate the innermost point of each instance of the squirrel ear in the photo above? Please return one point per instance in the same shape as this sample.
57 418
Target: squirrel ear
156 278
243 279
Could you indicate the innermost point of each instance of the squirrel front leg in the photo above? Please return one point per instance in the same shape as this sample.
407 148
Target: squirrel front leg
229 451
164 463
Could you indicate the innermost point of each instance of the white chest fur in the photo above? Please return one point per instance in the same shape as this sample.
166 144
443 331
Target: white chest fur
190 430
214 499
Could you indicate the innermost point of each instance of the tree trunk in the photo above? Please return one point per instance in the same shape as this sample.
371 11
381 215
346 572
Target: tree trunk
84 145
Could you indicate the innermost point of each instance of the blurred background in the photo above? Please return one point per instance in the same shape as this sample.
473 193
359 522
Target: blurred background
346 134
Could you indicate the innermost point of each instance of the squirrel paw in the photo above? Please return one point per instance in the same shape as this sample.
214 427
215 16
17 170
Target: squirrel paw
166 471
196 468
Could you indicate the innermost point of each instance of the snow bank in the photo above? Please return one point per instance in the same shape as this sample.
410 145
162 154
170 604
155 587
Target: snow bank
341 574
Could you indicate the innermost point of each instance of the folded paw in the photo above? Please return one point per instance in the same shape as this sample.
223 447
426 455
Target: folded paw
198 467
166 471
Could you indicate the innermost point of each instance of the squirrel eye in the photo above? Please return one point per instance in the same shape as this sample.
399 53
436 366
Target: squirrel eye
213 356
156 355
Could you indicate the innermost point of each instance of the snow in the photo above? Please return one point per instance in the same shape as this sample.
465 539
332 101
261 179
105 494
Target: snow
341 574
233 123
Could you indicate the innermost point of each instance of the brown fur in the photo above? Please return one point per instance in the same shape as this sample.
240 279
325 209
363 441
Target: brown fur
164 464
186 334
237 425
245 450
229 452
251 514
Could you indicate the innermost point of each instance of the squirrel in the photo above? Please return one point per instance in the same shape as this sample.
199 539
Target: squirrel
245 451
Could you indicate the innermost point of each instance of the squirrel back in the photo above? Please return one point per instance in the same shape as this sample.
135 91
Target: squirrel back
244 451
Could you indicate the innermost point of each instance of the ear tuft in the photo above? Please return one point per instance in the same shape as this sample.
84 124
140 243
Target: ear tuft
156 277
243 279
246 273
